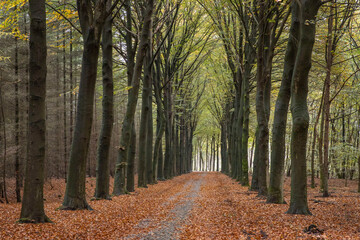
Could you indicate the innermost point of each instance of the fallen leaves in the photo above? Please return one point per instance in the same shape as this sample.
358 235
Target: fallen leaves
109 220
223 209
226 210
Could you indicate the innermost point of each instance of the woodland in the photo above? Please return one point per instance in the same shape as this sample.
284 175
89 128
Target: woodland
179 119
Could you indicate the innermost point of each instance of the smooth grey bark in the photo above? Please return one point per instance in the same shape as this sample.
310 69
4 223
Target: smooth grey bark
149 144
245 134
160 129
91 26
144 138
275 194
250 56
130 64
299 109
218 157
223 146
130 171
65 145
3 139
103 161
262 96
71 123
32 208
119 185
255 180
168 159
240 125
17 124
160 168
233 143
149 120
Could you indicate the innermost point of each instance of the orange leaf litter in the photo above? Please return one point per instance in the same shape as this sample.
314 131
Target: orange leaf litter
223 209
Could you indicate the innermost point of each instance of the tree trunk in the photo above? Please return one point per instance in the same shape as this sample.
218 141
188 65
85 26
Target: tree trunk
299 109
17 125
103 163
263 95
72 91
245 134
254 180
32 208
149 143
130 50
223 140
330 50
130 171
145 151
158 160
119 185
168 160
91 29
280 116
4 149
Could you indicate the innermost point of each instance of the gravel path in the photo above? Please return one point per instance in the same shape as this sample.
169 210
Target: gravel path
169 228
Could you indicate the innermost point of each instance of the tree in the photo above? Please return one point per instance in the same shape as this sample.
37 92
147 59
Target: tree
299 108
125 140
275 194
103 164
32 208
92 17
145 133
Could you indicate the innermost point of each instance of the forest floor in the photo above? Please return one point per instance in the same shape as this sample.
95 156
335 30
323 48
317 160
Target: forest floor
192 206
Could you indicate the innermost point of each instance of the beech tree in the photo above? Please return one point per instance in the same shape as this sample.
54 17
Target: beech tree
103 164
125 140
92 16
32 208
299 108
275 194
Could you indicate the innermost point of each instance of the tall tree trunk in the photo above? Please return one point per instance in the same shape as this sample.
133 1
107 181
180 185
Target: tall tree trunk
103 163
32 208
240 125
17 125
91 26
263 94
299 109
168 160
65 156
280 116
217 157
223 140
149 143
130 50
75 188
255 175
245 134
3 140
119 184
72 91
250 57
130 171
144 137
330 50
158 160
313 150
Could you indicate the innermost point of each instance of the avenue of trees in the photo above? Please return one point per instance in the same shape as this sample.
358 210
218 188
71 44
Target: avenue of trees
119 89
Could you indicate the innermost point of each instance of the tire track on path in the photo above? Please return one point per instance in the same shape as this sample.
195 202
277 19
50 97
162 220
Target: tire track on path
169 228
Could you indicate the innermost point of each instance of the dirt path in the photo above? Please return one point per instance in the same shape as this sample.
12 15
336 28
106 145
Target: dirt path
191 206
170 227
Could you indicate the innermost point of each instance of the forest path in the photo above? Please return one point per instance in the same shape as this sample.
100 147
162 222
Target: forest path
191 206
170 227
